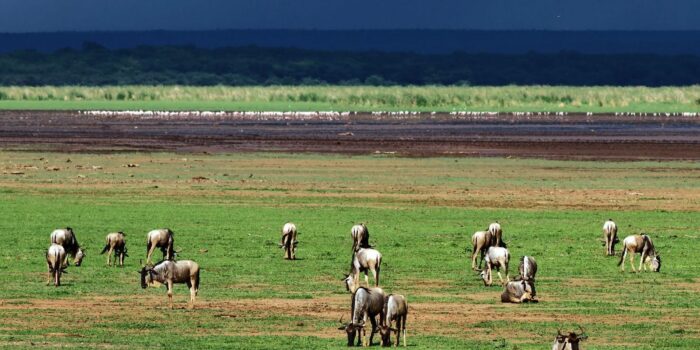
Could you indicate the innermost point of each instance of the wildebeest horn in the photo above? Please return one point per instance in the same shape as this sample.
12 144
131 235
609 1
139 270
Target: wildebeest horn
583 333
341 319
559 331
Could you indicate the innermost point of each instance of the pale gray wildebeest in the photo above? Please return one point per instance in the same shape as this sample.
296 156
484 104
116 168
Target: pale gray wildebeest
116 243
496 258
496 233
289 241
395 309
54 259
481 241
568 341
169 272
640 244
360 237
367 303
519 291
364 260
527 268
610 236
66 238
163 239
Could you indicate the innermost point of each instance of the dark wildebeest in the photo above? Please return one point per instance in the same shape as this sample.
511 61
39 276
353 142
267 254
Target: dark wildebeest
395 309
117 244
640 244
496 257
519 291
169 272
610 236
366 303
289 241
66 238
568 342
497 234
365 260
360 237
54 259
163 239
527 268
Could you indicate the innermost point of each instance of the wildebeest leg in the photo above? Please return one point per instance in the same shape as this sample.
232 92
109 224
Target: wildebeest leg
170 294
375 274
367 279
109 256
190 285
372 320
50 277
398 329
149 254
57 273
632 261
403 329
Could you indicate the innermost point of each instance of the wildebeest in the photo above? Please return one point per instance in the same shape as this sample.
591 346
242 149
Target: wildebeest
610 236
366 259
289 241
169 272
395 309
55 257
640 244
66 238
527 268
568 341
481 241
163 239
519 291
496 257
497 233
366 303
117 244
360 237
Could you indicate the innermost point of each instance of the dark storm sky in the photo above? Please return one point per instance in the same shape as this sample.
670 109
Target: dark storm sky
79 15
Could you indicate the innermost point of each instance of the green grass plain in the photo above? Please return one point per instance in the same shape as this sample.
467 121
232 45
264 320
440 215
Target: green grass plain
598 99
227 211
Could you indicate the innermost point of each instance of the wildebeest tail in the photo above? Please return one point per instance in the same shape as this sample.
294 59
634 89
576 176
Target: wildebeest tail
196 283
106 248
624 253
148 246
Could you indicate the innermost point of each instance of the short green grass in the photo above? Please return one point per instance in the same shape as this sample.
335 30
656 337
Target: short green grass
599 99
251 298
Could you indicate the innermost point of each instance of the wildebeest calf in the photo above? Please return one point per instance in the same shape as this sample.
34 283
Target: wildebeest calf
610 236
115 243
289 241
54 259
640 244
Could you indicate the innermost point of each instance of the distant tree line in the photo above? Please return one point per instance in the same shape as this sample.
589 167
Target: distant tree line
93 65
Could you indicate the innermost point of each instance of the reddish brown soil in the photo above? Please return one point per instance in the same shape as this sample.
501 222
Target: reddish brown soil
557 137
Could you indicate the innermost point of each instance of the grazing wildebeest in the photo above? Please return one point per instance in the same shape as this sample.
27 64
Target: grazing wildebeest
366 259
527 268
496 257
360 237
640 244
54 259
66 238
169 272
496 233
568 342
519 291
117 244
163 239
610 236
481 241
395 309
366 303
289 241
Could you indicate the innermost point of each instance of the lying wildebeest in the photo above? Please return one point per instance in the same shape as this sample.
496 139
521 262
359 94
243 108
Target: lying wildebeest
289 241
117 244
360 237
497 233
54 259
366 303
527 268
640 244
570 341
66 238
519 291
366 260
496 257
610 236
395 309
163 239
169 272
481 241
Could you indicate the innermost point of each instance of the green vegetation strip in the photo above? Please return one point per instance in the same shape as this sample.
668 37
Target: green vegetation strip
599 99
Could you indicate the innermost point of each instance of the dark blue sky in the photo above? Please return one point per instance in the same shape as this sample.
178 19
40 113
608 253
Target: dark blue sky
80 15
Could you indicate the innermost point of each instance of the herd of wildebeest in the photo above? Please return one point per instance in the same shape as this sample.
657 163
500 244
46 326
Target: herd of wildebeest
367 303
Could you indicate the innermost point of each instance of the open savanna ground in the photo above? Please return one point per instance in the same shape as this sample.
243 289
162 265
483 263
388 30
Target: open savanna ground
227 211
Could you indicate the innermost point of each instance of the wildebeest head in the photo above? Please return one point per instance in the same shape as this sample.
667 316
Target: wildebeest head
79 257
571 340
351 330
529 289
350 283
486 276
146 276
385 333
656 263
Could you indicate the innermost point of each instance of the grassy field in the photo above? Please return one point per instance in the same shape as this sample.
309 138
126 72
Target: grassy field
357 98
227 210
